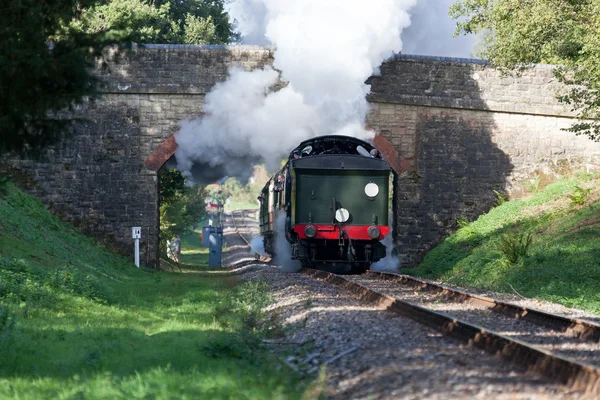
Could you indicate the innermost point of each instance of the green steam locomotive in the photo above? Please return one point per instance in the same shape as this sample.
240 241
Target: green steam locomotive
330 202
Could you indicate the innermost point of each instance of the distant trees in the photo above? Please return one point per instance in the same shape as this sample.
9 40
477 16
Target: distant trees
518 33
181 206
48 47
159 21
233 190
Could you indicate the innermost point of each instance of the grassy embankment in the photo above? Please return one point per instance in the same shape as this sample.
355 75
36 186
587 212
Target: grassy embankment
545 246
77 321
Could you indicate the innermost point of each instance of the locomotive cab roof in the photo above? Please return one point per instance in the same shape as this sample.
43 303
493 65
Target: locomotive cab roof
334 144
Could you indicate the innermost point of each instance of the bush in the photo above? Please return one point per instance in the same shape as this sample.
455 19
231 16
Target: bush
7 321
19 283
243 305
514 246
580 196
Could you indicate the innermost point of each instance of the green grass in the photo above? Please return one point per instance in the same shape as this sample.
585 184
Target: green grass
77 321
241 205
561 264
192 250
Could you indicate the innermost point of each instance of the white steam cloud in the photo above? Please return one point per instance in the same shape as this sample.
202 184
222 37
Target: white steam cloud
390 262
325 50
283 250
258 245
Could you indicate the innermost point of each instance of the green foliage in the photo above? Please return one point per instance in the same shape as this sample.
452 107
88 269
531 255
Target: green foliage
181 206
519 33
244 304
462 222
198 30
139 21
7 321
233 190
534 185
144 21
580 196
43 70
514 245
560 264
171 183
44 288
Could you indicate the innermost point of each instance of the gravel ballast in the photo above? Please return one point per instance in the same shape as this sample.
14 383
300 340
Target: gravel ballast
369 353
554 340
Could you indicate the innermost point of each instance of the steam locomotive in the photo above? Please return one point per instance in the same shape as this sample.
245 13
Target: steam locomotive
333 197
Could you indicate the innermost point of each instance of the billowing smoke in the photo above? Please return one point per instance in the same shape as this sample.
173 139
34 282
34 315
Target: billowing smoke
431 31
325 51
250 18
283 250
242 126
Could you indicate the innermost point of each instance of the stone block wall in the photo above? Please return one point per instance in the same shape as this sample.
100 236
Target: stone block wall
468 132
98 179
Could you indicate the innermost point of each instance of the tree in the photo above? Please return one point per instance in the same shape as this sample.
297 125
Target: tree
43 70
519 33
159 21
181 206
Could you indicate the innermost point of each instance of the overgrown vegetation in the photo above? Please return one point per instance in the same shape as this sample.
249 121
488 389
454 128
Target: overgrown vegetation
580 196
181 206
516 34
514 246
161 21
541 246
77 321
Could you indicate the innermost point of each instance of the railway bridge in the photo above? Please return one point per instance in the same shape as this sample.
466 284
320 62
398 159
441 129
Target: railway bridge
455 130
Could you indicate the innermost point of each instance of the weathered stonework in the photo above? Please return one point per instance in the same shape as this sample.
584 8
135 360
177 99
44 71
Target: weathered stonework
459 129
100 179
467 131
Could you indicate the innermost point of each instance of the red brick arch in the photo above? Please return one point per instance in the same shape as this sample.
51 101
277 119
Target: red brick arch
162 154
387 149
389 153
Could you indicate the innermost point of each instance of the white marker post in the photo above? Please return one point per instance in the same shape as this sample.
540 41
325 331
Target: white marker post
136 235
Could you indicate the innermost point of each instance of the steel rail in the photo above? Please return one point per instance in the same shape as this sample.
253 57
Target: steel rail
257 255
577 375
582 329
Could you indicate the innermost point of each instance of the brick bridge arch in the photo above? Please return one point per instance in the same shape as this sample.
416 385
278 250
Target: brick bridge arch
162 153
168 147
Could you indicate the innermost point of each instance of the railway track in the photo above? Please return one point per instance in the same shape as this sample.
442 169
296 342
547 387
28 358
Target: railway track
240 220
563 349
576 374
